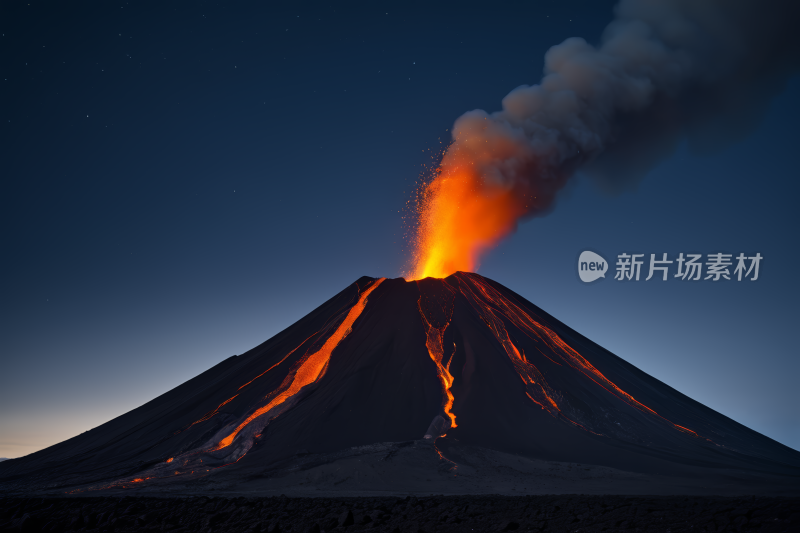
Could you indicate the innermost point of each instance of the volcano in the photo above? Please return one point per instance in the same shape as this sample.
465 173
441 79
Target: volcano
451 385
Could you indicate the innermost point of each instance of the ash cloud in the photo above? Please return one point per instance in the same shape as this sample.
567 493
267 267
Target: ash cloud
664 71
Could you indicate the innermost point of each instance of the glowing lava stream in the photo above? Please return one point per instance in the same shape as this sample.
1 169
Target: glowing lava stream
307 370
214 412
434 343
543 394
311 369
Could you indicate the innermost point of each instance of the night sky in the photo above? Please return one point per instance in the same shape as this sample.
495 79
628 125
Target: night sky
183 180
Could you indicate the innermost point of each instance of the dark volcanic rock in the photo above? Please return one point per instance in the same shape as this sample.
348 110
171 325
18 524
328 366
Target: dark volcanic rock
27 523
508 525
428 514
365 377
346 519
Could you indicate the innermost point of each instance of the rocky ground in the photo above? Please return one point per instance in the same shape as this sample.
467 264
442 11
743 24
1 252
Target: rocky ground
430 514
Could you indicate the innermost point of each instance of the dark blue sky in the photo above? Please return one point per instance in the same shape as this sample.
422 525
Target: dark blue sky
181 183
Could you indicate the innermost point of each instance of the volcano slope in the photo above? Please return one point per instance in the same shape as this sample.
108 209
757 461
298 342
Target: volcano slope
454 385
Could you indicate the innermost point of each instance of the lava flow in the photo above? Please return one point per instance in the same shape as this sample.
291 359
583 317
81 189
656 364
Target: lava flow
536 386
487 301
437 310
309 369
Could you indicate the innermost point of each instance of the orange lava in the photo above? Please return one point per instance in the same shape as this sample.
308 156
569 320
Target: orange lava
220 406
276 364
310 368
488 301
210 413
461 213
434 343
536 386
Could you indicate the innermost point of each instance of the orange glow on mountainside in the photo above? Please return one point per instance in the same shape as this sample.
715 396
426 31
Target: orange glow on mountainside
215 411
489 303
311 368
276 364
434 341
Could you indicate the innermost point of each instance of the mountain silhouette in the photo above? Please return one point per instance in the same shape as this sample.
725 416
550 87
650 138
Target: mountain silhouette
459 368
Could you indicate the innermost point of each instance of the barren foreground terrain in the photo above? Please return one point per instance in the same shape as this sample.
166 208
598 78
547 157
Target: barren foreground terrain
400 515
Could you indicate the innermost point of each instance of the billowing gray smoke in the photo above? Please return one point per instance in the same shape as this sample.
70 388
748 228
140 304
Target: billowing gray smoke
666 70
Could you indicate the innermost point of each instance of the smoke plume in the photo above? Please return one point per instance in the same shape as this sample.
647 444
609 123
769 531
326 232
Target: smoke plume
665 71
